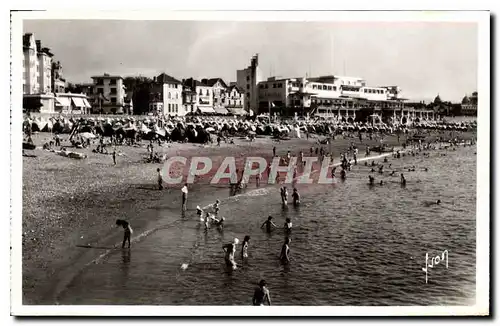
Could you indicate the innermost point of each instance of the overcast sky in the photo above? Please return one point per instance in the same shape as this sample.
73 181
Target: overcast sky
424 59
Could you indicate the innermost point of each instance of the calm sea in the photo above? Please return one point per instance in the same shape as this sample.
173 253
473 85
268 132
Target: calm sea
351 245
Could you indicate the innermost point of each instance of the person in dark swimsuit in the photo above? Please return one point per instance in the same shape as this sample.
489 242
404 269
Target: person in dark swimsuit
295 197
261 295
288 225
127 231
244 247
268 224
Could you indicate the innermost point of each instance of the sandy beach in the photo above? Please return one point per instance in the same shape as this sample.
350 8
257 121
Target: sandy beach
68 203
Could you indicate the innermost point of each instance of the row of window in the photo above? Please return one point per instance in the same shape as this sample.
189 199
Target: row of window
266 86
373 91
173 108
324 87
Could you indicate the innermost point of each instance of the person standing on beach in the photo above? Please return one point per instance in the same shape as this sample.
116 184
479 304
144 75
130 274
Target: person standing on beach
261 295
274 151
184 191
284 196
355 155
403 180
160 179
269 223
114 156
127 231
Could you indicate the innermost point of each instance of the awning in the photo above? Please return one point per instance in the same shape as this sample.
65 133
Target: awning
87 104
237 111
206 109
63 101
221 111
78 102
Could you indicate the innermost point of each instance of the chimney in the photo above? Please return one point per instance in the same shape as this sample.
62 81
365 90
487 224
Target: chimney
38 45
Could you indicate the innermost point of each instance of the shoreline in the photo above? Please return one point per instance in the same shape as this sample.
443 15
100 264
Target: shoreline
136 197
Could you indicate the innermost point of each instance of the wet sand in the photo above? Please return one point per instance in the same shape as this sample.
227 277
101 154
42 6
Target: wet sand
69 203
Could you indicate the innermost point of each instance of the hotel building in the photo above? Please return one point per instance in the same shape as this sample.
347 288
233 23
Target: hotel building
109 95
337 97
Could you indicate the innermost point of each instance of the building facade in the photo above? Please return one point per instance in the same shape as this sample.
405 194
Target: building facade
219 90
199 95
339 97
58 83
30 65
234 102
248 80
166 96
469 105
44 68
109 95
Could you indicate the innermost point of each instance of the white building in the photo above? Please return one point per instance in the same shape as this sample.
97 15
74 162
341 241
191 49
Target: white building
200 96
234 101
30 65
44 68
166 96
248 80
109 95
219 90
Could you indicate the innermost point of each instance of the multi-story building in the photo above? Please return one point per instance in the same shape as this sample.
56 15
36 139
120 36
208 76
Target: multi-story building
248 79
58 83
234 100
30 65
469 104
330 96
203 96
44 68
166 96
109 95
219 88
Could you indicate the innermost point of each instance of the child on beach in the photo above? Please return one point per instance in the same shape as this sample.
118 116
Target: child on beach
285 252
244 247
184 191
268 224
216 208
127 231
160 179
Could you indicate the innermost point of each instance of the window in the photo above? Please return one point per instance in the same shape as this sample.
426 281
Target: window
324 87
215 100
314 86
248 94
113 100
335 88
280 85
169 95
112 90
169 107
248 78
208 92
176 96
274 85
329 88
201 93
112 82
267 86
248 86
261 86
100 82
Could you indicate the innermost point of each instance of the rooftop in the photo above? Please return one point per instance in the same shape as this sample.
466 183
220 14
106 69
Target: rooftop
166 79
107 76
